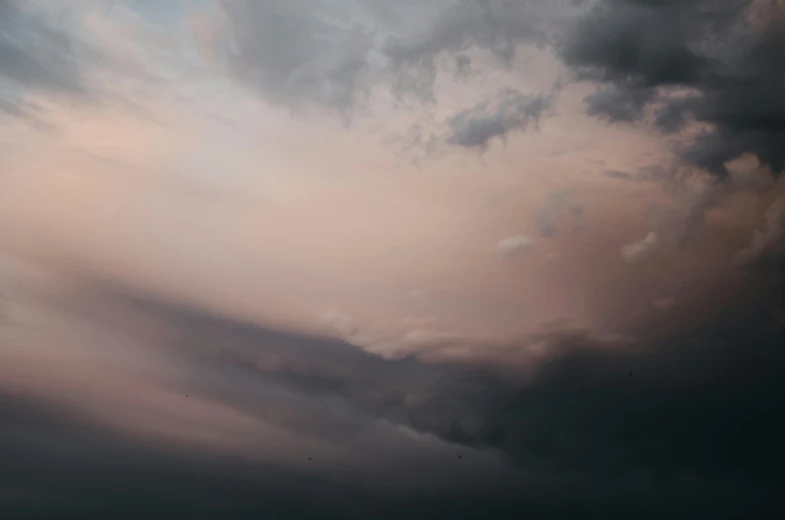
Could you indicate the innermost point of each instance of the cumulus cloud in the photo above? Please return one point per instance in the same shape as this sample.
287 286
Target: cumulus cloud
724 55
514 245
638 251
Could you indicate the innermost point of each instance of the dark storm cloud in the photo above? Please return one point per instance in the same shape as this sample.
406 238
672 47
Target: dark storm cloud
715 62
694 412
511 111
677 428
673 115
718 63
56 466
663 409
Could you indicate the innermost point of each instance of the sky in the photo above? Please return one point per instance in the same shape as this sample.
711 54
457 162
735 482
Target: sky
392 258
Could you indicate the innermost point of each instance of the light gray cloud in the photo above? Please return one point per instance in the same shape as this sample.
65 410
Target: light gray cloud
453 27
338 322
332 54
514 245
296 52
638 251
38 56
34 54
510 112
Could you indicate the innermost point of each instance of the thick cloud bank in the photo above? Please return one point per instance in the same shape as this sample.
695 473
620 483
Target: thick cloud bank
672 428
715 63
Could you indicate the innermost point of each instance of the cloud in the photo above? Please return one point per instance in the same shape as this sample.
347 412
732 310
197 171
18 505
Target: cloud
332 55
117 400
330 428
548 217
618 104
34 53
37 56
724 55
638 251
561 420
710 193
179 388
511 111
339 322
507 356
766 246
514 245
449 28
296 53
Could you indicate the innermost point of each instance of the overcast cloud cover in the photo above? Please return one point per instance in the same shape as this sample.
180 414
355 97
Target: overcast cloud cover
392 259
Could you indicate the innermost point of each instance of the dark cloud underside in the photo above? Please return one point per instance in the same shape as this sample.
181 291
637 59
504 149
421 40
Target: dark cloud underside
715 62
679 428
